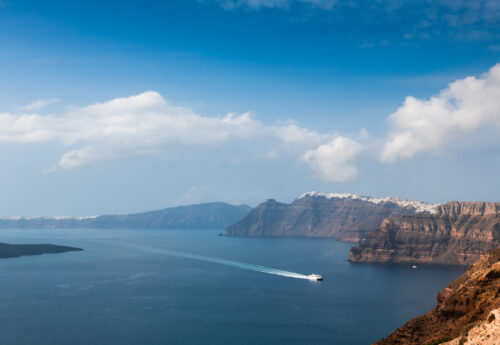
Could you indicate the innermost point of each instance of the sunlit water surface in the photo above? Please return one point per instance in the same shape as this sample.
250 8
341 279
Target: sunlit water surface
153 287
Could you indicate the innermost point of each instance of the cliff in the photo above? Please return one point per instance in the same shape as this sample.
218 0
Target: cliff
345 217
457 233
463 312
215 215
17 250
486 332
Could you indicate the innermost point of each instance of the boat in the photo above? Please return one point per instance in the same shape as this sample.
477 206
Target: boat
315 277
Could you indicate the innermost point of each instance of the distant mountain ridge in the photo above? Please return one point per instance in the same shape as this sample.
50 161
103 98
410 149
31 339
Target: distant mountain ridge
345 217
214 215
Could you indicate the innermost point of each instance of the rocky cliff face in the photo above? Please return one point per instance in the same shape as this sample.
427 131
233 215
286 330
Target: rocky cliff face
455 209
346 217
465 308
486 332
457 233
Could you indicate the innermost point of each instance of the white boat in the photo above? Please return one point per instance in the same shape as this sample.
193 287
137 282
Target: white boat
315 277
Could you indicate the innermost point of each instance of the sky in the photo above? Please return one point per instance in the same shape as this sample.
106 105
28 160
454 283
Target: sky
128 106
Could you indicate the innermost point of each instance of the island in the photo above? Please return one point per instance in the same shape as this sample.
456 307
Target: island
17 250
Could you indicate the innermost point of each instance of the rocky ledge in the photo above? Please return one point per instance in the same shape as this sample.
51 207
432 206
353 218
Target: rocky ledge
17 250
467 310
457 233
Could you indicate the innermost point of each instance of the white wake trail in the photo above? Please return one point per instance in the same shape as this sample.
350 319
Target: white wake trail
238 264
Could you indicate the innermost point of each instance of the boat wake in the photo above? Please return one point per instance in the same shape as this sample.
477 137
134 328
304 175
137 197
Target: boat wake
238 264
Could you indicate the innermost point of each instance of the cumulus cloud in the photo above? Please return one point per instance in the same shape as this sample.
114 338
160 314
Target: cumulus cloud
465 106
334 161
292 134
139 124
39 103
146 124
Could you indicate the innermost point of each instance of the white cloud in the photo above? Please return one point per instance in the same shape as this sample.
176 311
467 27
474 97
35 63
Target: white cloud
39 103
465 106
256 4
146 124
195 194
140 124
292 134
334 161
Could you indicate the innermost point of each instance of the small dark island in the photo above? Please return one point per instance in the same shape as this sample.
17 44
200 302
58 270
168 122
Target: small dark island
17 250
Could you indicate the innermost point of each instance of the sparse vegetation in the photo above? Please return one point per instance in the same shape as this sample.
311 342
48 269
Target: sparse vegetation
439 341
467 328
465 332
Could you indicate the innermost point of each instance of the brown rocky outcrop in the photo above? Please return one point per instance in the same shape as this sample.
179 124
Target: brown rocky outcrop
458 233
456 208
466 303
344 217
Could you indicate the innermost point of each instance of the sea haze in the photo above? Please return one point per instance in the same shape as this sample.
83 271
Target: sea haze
131 287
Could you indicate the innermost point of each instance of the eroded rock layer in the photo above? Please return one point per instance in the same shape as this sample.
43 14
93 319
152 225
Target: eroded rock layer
457 233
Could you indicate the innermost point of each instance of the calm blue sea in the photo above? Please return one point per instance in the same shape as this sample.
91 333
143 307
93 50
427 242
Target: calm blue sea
126 288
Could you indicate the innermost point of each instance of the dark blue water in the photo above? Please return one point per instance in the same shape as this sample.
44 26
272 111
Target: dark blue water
111 294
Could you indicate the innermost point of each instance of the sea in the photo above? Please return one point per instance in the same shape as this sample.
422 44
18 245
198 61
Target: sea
157 287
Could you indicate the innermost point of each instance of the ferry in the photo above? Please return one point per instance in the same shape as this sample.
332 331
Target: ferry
315 277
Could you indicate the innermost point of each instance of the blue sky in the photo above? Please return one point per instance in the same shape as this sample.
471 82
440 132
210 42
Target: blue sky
311 85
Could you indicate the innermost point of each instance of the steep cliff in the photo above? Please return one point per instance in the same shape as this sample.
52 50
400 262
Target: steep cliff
346 217
457 233
464 309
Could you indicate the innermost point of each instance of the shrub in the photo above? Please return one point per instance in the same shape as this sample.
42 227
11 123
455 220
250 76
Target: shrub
439 341
467 328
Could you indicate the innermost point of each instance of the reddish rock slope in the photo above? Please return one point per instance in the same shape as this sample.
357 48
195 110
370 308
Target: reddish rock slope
464 303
